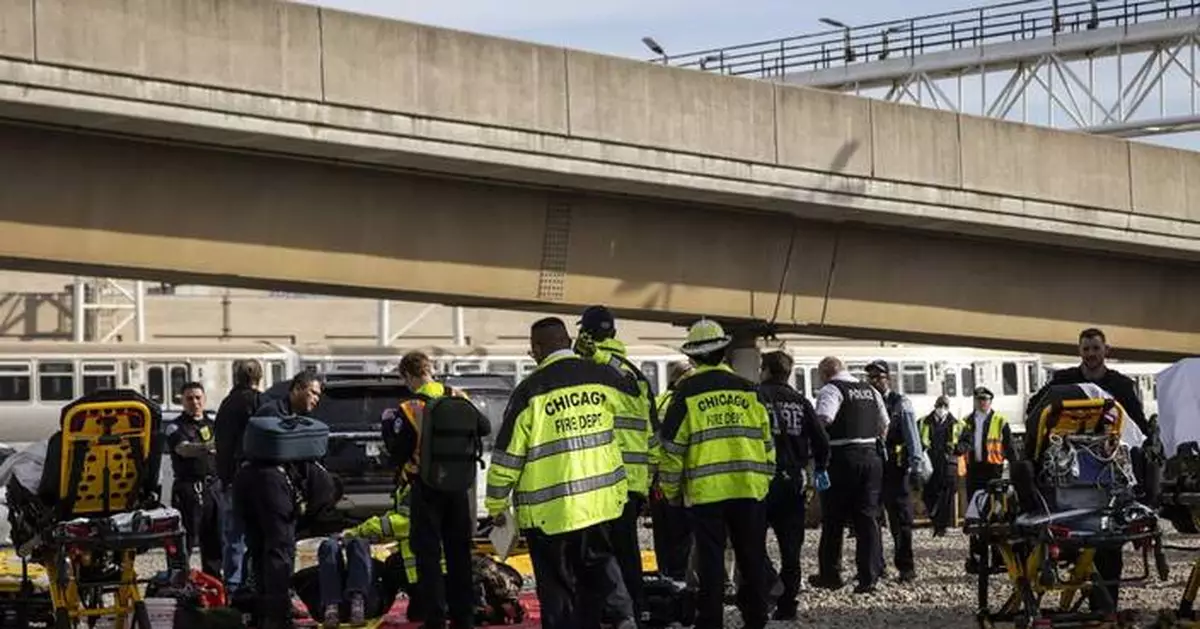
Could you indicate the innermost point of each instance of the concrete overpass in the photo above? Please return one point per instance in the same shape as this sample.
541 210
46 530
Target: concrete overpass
253 142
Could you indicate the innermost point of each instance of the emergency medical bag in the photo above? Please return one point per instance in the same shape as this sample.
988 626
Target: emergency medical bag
285 439
451 446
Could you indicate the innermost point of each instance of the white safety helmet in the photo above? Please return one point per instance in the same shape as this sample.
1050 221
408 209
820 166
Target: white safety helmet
704 337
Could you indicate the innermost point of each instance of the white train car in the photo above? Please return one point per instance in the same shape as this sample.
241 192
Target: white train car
38 378
921 373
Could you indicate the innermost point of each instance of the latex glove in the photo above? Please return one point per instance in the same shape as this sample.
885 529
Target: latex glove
821 480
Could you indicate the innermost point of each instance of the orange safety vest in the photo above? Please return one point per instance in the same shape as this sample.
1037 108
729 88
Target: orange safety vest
994 438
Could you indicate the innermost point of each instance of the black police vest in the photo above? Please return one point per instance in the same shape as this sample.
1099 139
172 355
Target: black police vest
199 468
858 417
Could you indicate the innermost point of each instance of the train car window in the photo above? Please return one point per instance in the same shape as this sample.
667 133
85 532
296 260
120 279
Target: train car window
858 370
949 383
460 367
15 382
180 375
650 370
798 374
914 379
814 380
278 371
99 376
968 381
1032 373
1008 377
56 381
526 367
155 384
503 367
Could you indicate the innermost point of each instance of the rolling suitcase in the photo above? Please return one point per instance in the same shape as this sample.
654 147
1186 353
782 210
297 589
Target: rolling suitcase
285 439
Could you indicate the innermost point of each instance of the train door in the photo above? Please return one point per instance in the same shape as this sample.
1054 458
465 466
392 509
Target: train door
164 384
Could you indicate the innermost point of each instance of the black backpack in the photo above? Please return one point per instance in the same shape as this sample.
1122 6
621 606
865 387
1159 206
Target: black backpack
451 446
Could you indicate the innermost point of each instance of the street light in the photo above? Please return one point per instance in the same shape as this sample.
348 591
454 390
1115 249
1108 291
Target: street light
849 53
899 28
655 48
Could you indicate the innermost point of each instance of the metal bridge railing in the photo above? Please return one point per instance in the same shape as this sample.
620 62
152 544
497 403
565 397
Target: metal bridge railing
968 28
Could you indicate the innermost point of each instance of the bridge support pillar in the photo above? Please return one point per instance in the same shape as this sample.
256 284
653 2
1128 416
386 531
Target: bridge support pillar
744 355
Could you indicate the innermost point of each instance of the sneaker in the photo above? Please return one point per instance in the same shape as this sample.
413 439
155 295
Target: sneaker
358 611
331 618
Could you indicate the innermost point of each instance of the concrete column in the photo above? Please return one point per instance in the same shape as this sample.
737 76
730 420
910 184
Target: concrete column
383 322
139 310
744 355
79 310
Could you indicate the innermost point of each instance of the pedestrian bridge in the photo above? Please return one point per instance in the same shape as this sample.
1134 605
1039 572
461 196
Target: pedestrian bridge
275 144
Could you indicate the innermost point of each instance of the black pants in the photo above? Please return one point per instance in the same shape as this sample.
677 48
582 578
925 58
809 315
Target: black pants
672 539
442 523
576 574
743 523
785 514
897 501
856 479
264 501
939 494
628 553
197 504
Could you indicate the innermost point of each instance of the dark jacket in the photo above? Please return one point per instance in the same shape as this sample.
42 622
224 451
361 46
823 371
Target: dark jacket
232 417
799 436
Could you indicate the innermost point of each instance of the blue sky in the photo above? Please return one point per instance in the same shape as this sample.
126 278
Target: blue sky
681 26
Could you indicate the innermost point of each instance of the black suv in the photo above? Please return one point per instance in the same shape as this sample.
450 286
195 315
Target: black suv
353 407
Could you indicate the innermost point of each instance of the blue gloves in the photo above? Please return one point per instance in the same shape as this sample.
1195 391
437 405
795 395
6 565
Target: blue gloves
821 480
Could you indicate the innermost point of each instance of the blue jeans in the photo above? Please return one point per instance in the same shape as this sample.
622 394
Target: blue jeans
341 576
233 536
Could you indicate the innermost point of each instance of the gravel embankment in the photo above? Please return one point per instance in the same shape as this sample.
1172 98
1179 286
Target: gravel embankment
943 596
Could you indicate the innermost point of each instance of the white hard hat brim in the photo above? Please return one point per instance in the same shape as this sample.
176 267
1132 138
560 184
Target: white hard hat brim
705 347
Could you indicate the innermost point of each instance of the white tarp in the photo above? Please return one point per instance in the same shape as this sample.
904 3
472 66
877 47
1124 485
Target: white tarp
1179 404
1131 435
26 465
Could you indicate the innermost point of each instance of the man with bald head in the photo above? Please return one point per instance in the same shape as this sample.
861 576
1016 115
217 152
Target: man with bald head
855 419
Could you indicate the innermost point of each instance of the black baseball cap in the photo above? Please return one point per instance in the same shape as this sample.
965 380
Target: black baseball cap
597 320
878 366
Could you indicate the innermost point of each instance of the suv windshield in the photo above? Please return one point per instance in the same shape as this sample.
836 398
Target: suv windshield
358 406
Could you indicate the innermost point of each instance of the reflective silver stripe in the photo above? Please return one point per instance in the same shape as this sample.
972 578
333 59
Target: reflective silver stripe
570 444
669 477
713 469
570 488
385 525
652 442
498 492
507 460
726 432
852 442
636 457
402 510
674 448
630 423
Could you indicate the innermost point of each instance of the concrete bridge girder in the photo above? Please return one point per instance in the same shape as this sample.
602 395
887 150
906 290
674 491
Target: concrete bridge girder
103 205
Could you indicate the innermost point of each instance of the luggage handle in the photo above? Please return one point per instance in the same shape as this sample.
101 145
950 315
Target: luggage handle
293 421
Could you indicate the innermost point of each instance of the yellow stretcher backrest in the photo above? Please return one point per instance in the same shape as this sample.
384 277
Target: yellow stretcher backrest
1079 417
105 452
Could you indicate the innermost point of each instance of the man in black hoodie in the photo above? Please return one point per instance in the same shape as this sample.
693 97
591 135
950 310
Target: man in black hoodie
232 416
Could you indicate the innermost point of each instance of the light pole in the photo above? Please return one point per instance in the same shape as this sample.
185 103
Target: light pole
899 28
655 48
849 53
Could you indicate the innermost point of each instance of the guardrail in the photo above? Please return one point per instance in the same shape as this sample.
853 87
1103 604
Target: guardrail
968 28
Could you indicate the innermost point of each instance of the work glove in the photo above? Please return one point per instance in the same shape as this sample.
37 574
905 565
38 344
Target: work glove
584 345
821 480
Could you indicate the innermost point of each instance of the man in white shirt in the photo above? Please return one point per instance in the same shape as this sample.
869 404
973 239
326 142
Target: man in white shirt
856 420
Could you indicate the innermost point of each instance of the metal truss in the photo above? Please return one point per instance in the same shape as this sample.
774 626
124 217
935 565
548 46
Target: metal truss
1140 93
1125 68
103 307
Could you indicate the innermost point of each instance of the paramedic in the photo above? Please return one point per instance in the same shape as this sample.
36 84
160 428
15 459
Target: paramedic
636 426
855 418
442 521
672 530
557 459
798 437
987 441
232 416
901 469
719 459
193 460
940 432
269 498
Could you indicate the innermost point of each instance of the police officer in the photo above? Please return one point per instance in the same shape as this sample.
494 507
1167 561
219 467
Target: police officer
940 432
442 521
987 441
798 437
193 460
719 458
557 458
855 419
672 530
635 428
901 471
